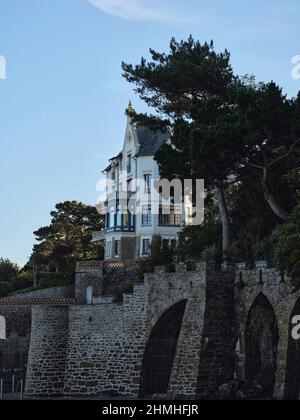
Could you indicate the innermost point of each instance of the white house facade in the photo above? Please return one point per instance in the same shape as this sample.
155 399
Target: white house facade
128 234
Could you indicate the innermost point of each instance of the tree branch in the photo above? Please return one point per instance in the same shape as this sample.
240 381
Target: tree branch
285 155
252 165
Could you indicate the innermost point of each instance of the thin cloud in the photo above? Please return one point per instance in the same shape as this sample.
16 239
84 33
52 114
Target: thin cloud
134 10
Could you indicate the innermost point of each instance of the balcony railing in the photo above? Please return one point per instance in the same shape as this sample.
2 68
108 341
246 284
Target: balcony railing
98 236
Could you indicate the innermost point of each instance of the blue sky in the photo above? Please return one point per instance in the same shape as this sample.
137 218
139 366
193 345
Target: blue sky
62 103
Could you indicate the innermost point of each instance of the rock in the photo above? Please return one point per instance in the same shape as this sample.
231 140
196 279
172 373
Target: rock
228 391
159 397
240 396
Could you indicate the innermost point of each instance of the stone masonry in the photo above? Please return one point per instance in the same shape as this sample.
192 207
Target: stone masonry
16 311
99 349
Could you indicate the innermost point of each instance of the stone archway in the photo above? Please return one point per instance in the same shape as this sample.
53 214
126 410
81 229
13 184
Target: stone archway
292 380
261 340
160 351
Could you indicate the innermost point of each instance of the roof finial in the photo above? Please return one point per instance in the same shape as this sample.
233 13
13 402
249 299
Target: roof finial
129 109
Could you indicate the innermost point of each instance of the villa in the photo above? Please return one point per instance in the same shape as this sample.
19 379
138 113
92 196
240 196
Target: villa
128 234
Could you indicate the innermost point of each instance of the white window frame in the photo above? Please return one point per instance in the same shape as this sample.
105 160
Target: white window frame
169 239
119 247
145 238
129 163
147 215
108 249
147 186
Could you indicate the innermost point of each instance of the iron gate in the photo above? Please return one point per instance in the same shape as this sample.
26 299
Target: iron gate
158 362
10 381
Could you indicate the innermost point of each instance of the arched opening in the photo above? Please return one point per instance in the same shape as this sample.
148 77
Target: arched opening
2 328
160 351
292 380
261 340
89 295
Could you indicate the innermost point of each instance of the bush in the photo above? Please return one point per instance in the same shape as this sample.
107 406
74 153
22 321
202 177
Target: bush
5 289
23 281
8 270
252 242
48 280
199 243
121 290
158 256
287 253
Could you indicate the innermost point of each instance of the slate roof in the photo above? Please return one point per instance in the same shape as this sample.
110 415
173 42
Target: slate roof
150 141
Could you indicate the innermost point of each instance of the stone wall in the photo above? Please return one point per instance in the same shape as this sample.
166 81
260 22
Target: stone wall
167 289
17 313
217 351
14 349
281 295
104 278
106 342
91 350
46 361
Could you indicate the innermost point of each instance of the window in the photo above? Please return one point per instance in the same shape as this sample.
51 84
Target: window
111 220
169 216
117 248
146 246
147 181
165 244
119 217
169 243
113 175
173 244
108 249
129 187
146 216
126 219
129 164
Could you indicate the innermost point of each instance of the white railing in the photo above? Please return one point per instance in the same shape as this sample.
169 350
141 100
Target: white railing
98 236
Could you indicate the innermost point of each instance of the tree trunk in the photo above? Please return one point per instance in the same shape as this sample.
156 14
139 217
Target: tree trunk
84 250
271 200
224 216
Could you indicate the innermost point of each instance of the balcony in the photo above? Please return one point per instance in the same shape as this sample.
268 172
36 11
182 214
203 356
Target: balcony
98 236
169 216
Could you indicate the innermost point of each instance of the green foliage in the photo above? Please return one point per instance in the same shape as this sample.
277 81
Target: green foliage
8 270
5 289
201 243
192 86
48 280
68 238
23 281
158 256
230 131
121 290
288 247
